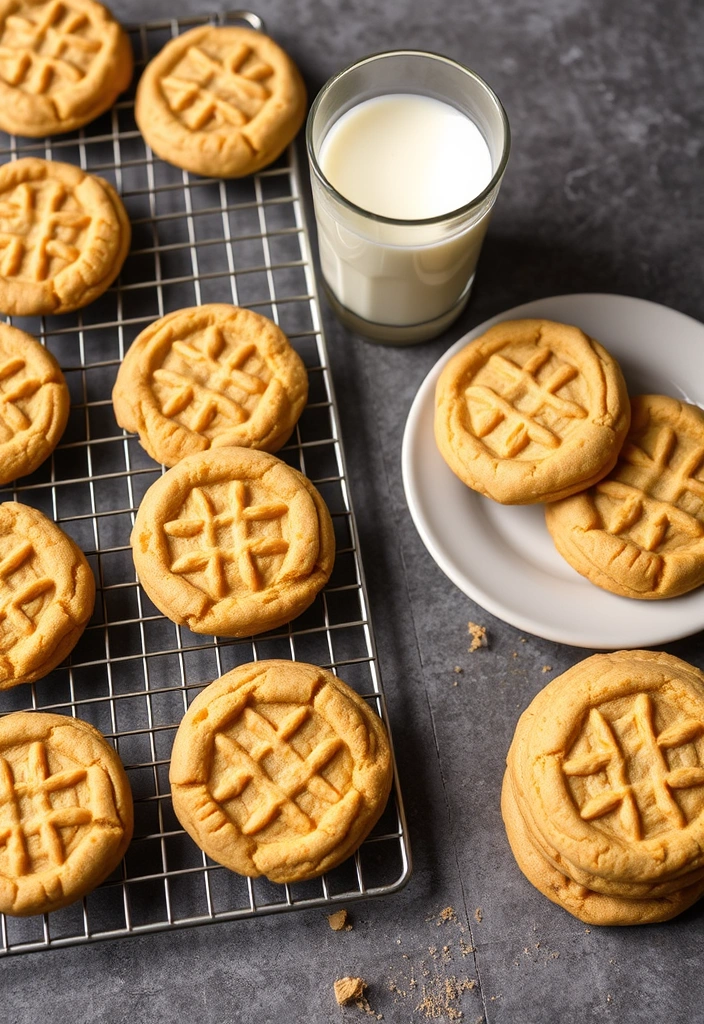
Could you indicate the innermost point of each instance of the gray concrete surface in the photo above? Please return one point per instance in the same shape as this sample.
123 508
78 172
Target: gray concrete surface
603 193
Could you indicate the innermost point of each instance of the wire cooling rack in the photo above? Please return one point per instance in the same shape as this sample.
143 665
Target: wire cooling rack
134 673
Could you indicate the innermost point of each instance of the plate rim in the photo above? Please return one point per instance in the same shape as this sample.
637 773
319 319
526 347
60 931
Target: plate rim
523 622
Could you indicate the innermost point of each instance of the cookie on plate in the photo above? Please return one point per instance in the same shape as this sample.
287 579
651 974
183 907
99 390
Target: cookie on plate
606 776
67 813
47 592
233 542
64 235
62 64
639 532
34 403
210 376
531 411
223 102
280 769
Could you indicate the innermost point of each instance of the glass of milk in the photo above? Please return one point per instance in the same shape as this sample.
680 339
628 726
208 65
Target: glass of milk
407 151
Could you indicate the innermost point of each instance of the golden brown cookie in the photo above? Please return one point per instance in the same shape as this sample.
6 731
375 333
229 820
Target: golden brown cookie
590 907
210 376
64 235
47 592
280 769
62 64
34 403
610 760
223 102
531 411
65 811
233 542
639 532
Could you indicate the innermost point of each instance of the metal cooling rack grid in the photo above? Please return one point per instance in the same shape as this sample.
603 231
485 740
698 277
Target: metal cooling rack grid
133 673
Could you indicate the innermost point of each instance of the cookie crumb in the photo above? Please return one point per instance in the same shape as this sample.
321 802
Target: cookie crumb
339 921
546 668
465 948
349 990
514 654
478 915
458 669
478 635
448 914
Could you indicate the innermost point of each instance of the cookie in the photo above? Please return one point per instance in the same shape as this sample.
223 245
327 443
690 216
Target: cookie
34 404
639 532
232 542
583 903
66 811
62 64
47 592
610 760
210 376
223 102
64 235
280 769
531 411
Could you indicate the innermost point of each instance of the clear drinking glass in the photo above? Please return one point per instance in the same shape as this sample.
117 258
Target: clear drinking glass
402 281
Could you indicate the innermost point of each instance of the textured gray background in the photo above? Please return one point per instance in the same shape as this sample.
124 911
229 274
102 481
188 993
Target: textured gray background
602 193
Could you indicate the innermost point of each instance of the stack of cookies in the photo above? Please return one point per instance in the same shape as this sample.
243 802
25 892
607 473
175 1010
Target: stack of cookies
536 411
603 796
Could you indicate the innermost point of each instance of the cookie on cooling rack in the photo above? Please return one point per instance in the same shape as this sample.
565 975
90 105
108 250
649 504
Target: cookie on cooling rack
47 592
233 542
639 532
64 235
207 377
67 811
604 789
34 403
223 102
62 64
280 769
531 411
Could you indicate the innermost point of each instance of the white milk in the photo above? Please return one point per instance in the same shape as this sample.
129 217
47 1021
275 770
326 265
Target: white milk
406 157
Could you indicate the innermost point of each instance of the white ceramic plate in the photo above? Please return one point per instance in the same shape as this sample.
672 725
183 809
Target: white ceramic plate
502 556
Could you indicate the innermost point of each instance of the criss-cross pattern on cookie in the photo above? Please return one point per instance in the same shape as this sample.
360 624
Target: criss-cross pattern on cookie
200 389
609 760
205 92
531 408
223 537
14 619
44 820
38 225
280 782
16 384
648 502
42 54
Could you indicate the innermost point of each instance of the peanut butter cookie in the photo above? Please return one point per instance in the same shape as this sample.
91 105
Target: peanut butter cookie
47 592
34 403
66 810
639 532
62 64
606 770
210 376
532 411
223 102
233 542
64 235
280 769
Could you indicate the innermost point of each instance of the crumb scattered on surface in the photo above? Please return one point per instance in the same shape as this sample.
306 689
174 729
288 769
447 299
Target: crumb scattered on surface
522 640
587 931
448 914
478 635
465 948
547 668
478 915
339 921
349 990
458 669
514 654
441 997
